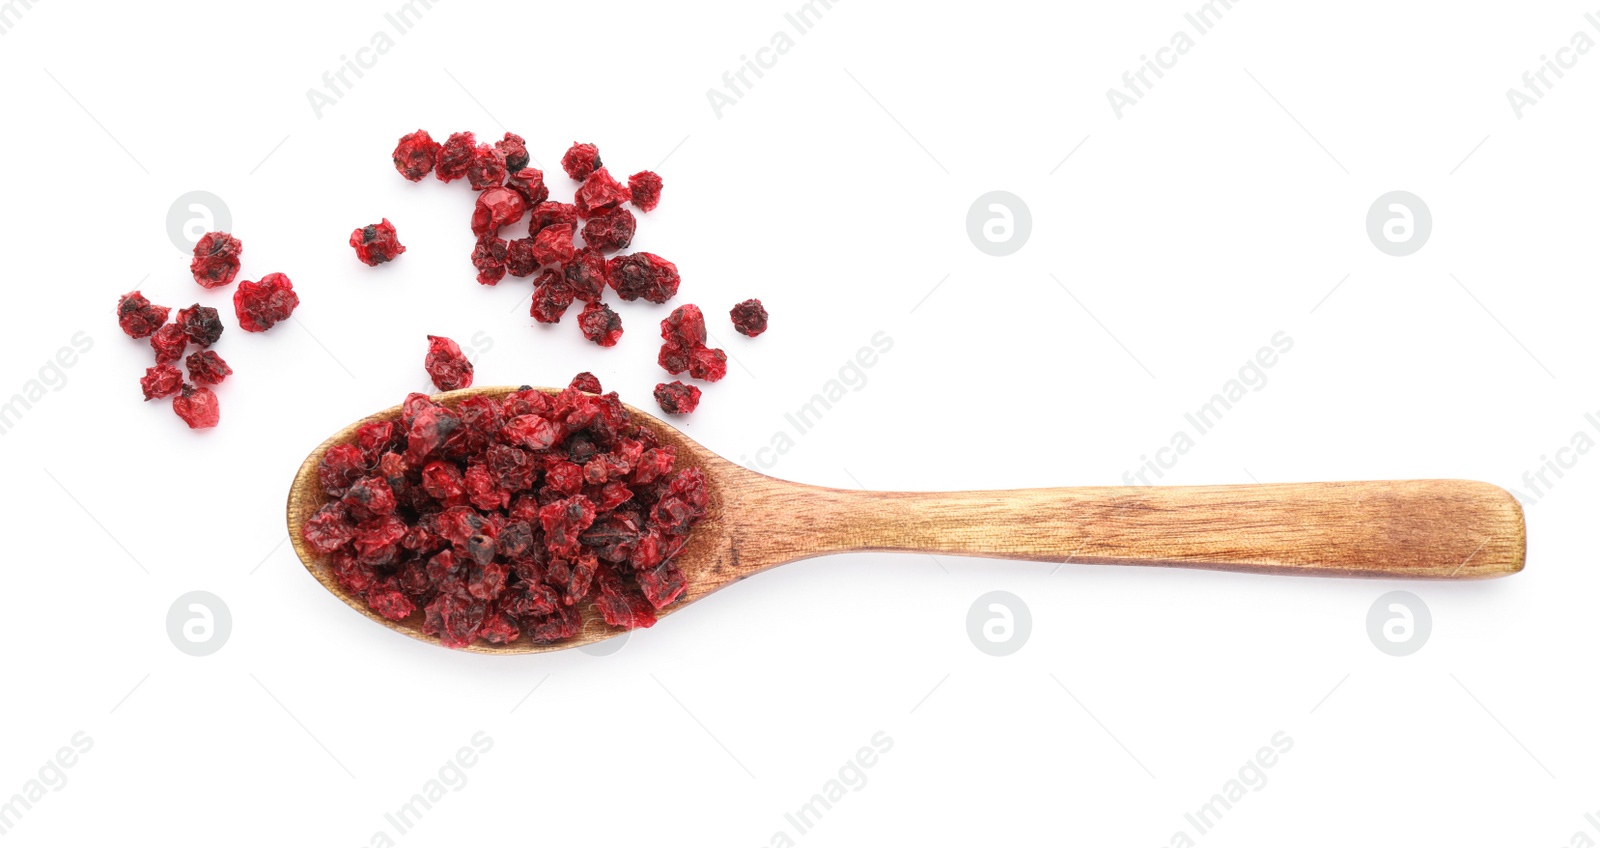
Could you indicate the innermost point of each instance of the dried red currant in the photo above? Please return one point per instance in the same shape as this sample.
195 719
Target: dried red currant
610 231
685 327
138 317
586 275
580 161
551 297
216 260
197 406
599 192
161 381
550 213
447 365
498 206
520 261
708 363
599 324
261 305
169 343
514 150
415 154
201 324
644 189
489 257
674 358
646 275
553 245
529 182
586 382
749 317
677 397
455 157
376 244
488 168
207 368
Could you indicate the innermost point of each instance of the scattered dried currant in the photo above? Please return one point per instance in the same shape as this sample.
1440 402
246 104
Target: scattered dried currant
514 151
201 324
646 275
447 365
520 261
749 317
216 260
599 324
197 406
263 304
207 368
685 327
554 246
580 161
498 206
644 190
455 157
415 154
551 297
489 257
138 317
586 382
161 381
549 213
677 397
169 343
488 168
376 244
600 191
586 275
610 231
529 182
709 364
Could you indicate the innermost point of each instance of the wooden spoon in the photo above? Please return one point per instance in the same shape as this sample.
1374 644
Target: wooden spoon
1404 529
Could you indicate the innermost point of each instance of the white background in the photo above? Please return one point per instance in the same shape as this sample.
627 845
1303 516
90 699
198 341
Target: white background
1172 243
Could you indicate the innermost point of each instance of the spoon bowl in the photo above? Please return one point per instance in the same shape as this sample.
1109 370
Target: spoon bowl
1422 529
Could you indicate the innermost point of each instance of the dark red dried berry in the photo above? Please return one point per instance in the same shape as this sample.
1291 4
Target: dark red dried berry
498 206
551 297
197 407
261 305
673 358
685 327
586 382
161 381
677 397
599 192
553 245
550 213
520 261
646 275
455 156
599 324
610 231
376 244
488 168
415 154
169 343
644 189
586 275
489 257
580 160
201 324
216 260
447 365
207 368
529 182
708 363
138 317
749 317
514 150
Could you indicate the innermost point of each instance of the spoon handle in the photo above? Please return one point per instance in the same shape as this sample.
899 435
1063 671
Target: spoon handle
1398 528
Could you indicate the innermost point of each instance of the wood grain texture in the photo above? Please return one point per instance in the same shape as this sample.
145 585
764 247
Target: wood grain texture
1434 529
